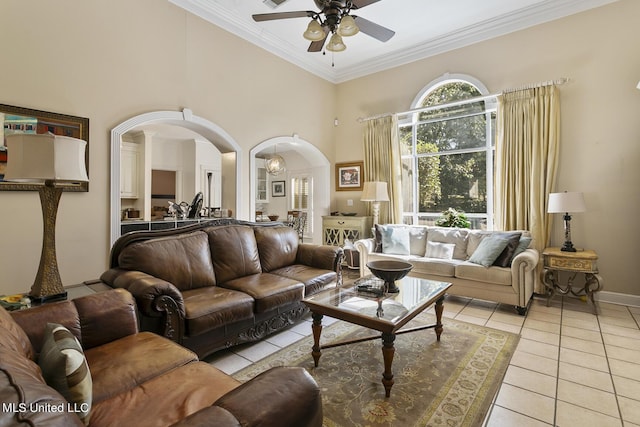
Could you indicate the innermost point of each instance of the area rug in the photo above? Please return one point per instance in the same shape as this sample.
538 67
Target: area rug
447 383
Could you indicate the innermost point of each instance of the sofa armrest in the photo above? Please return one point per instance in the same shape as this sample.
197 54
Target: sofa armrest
281 396
528 259
155 298
524 271
364 248
320 256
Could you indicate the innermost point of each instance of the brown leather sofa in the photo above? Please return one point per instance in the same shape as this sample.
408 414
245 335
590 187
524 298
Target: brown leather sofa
214 285
139 378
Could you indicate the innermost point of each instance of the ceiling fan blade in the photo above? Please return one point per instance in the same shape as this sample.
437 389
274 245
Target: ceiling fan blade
374 30
283 15
359 4
317 46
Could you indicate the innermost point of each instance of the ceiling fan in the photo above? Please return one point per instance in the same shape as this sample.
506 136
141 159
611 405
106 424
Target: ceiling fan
334 18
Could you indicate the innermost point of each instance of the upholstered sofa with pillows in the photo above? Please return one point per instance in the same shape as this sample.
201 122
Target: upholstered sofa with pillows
491 265
84 362
214 285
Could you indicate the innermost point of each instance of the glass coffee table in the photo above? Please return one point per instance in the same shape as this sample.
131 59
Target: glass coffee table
386 313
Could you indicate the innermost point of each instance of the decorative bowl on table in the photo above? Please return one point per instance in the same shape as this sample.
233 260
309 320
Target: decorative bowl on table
274 217
389 271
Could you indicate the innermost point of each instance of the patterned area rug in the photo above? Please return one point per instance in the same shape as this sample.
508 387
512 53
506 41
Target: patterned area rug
447 383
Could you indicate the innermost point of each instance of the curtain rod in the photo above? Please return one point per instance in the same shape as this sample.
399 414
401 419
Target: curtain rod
559 81
556 82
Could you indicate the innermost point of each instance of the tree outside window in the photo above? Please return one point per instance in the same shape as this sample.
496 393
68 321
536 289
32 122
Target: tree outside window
447 149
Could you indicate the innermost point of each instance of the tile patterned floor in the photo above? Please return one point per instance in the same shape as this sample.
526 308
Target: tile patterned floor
571 367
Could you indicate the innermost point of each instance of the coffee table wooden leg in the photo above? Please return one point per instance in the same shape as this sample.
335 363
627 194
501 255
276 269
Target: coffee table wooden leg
316 327
388 350
439 309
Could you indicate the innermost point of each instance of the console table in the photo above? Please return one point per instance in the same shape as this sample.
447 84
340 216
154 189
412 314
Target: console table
337 229
581 261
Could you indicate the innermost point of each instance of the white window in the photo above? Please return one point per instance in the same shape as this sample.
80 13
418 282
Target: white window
301 197
448 144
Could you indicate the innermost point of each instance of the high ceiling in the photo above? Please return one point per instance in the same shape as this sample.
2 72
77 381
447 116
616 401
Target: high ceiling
423 28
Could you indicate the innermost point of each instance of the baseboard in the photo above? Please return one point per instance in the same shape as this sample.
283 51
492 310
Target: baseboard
618 298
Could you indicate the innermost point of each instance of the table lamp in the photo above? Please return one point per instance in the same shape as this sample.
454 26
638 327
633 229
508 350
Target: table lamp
566 202
53 161
376 192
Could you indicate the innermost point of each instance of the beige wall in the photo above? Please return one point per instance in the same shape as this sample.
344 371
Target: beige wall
600 146
110 61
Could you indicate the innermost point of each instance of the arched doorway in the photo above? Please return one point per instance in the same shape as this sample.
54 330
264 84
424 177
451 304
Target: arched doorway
302 158
186 119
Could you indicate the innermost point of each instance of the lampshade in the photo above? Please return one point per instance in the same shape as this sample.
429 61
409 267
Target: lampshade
48 159
39 158
314 31
375 191
336 44
348 26
638 87
566 202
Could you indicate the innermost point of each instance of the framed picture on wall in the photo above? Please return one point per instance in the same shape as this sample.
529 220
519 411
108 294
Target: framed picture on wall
349 176
278 189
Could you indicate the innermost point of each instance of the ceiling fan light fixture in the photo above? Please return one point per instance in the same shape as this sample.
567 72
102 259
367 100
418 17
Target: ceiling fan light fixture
348 26
336 44
314 31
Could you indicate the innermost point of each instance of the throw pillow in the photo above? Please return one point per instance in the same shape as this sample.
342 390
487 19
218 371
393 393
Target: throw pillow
395 240
488 250
456 236
522 245
377 236
440 250
65 369
504 259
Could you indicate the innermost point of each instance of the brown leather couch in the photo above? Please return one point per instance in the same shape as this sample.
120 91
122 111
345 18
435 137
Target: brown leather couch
215 285
139 378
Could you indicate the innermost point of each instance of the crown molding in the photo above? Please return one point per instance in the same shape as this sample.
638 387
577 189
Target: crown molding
536 14
223 18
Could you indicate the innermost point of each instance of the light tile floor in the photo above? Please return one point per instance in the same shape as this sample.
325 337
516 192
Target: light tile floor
571 367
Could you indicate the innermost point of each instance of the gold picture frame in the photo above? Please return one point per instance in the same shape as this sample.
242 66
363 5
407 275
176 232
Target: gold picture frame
19 119
349 176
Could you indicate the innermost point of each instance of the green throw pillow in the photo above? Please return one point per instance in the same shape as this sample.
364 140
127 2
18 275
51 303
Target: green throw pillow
489 250
65 369
522 245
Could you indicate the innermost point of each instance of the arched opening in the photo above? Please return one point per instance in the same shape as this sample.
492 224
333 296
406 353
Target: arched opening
209 131
303 159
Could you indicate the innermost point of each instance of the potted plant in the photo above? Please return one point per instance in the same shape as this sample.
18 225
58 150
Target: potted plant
453 218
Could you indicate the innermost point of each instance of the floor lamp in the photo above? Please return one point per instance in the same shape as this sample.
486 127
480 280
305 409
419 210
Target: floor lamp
52 161
565 203
375 192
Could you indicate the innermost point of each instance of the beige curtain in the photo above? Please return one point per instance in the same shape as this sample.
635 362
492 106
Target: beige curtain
526 161
382 163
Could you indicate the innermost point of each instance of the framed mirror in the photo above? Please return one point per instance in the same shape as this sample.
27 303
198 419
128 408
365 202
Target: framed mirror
25 120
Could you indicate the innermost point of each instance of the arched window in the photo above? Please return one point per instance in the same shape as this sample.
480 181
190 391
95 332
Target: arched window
448 144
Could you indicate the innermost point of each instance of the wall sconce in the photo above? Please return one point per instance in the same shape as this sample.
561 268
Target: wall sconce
49 160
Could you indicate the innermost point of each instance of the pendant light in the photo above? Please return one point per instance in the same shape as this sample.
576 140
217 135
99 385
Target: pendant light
274 164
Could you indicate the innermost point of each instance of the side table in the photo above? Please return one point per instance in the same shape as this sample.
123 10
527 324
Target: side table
581 261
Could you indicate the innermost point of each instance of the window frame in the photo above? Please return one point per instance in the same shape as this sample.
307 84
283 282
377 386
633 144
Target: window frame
411 119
